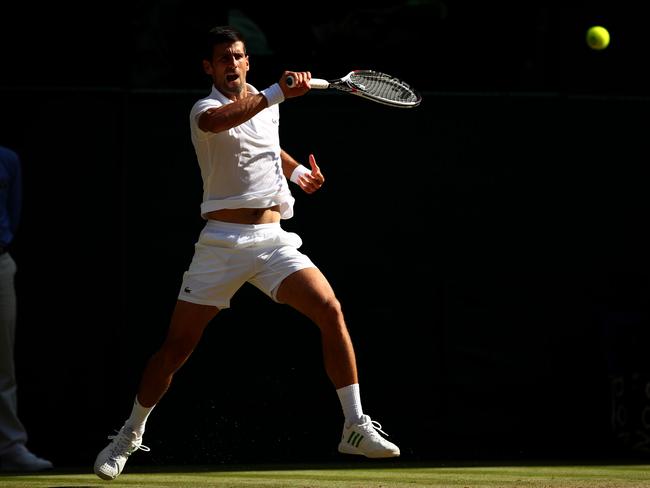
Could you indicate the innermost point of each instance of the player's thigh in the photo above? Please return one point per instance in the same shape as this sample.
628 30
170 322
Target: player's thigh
189 320
306 290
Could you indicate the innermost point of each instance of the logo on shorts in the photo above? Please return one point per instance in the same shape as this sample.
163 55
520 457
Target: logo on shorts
187 289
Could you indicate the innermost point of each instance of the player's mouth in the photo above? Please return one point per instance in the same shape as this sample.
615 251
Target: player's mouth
232 77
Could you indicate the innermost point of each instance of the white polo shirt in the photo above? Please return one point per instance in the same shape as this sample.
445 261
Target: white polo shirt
241 167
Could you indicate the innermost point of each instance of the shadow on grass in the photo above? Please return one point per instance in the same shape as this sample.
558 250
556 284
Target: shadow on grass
361 464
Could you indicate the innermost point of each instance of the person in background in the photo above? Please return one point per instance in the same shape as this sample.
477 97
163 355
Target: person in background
14 455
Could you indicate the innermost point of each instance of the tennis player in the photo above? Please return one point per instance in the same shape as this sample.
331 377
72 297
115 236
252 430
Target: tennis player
245 196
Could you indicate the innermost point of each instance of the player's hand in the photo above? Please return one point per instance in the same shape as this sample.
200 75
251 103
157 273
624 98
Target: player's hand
300 84
310 182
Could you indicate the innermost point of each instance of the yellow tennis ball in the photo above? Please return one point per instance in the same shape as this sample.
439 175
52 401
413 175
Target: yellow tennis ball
597 37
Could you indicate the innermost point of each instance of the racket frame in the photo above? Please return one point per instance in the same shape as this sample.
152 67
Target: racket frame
346 84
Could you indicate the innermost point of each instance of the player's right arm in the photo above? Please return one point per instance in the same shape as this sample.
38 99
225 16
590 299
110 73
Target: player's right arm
225 117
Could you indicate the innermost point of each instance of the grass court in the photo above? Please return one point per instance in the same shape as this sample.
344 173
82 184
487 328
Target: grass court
381 475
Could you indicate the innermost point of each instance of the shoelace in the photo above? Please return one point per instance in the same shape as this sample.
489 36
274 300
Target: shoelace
125 445
373 425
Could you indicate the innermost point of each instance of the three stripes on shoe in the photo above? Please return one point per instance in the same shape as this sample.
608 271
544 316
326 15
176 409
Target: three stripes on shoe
355 439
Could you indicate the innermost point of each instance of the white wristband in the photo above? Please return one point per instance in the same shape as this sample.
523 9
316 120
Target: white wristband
298 172
273 94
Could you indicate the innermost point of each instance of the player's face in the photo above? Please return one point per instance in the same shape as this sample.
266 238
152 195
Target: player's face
228 68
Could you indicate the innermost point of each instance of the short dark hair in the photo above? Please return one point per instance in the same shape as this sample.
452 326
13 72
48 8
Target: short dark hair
219 35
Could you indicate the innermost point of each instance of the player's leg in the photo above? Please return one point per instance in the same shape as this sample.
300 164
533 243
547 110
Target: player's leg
186 328
217 270
309 292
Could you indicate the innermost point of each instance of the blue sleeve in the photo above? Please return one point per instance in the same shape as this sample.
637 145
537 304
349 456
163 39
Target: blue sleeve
10 194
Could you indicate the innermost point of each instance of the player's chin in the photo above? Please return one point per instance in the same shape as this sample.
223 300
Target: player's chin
234 87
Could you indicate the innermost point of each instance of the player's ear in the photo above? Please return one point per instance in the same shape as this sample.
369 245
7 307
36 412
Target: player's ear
207 67
248 66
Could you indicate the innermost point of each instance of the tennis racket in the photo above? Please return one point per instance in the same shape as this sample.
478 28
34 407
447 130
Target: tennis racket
373 85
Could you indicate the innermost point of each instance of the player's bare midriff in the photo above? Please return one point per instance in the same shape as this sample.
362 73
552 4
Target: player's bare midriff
246 215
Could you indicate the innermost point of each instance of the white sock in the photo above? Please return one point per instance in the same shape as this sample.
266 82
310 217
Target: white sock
138 417
351 403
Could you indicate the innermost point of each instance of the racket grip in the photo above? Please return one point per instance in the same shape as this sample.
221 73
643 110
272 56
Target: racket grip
314 83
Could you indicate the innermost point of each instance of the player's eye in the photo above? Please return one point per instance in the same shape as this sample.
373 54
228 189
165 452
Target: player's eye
235 56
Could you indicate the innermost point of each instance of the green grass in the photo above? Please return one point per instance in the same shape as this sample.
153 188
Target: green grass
393 476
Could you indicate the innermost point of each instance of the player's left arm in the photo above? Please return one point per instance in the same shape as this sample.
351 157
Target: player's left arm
308 180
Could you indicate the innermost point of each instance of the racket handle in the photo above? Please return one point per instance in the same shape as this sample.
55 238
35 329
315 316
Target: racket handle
314 83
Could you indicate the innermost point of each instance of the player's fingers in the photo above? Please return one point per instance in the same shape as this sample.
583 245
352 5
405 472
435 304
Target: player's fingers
300 79
306 184
315 170
312 163
310 183
303 78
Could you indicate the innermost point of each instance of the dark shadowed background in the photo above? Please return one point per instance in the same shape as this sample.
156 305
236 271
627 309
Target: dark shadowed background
489 247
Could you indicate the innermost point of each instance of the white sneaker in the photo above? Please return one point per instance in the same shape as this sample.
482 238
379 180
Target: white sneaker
364 439
111 460
21 459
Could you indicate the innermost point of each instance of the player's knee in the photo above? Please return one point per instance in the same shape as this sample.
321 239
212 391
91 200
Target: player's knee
330 314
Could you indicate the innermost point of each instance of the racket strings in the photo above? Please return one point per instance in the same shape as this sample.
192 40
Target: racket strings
384 86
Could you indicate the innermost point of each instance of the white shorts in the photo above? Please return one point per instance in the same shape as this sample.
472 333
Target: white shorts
228 255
